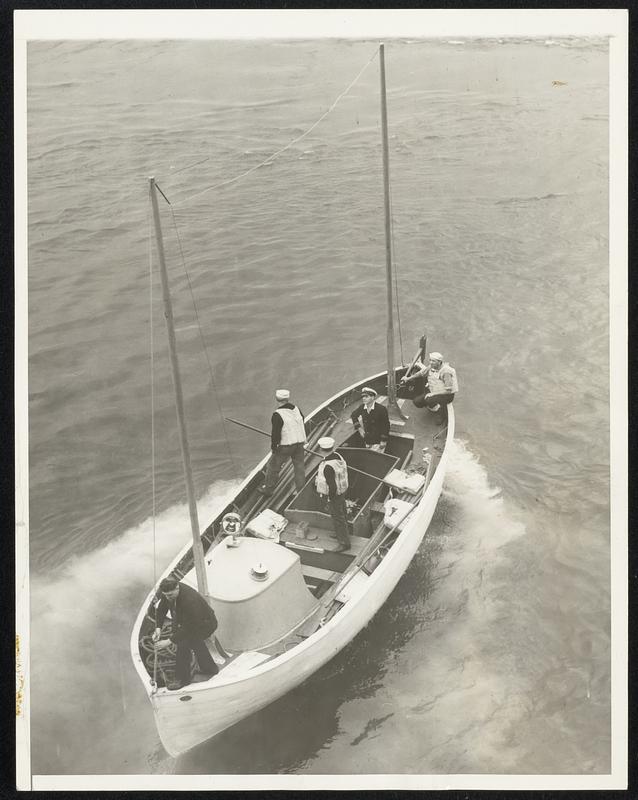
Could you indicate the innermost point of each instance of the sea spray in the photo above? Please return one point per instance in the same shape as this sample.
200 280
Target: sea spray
455 699
474 693
90 714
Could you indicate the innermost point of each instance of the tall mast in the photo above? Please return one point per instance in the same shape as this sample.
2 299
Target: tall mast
198 550
392 387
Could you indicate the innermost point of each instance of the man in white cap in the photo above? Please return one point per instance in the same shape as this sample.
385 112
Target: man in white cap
287 439
332 480
371 420
441 382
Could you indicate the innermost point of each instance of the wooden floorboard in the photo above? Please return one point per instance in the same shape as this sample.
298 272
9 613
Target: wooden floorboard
317 573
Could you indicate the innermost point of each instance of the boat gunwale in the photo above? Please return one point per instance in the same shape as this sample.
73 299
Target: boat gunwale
273 662
324 630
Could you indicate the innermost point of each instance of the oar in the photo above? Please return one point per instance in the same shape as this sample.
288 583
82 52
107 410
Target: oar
265 433
308 450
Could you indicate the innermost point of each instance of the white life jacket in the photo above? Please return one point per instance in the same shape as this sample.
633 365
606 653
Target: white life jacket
341 475
435 379
293 431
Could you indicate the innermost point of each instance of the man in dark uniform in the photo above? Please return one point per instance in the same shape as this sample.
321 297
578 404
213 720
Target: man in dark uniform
371 420
332 480
193 621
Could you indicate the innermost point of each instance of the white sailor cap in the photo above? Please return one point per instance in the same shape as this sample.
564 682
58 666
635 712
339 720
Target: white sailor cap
368 390
326 443
282 394
436 356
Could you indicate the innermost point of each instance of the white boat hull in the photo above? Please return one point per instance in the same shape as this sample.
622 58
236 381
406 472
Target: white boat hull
194 714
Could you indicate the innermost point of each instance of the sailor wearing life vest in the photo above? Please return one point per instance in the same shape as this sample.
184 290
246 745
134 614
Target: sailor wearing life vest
332 481
441 383
287 440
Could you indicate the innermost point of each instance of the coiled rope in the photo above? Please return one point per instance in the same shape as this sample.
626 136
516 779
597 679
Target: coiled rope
160 660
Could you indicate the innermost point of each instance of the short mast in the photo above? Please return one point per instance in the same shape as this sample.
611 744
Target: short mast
198 550
392 387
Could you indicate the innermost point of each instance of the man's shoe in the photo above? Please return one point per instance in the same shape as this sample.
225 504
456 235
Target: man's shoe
434 408
341 548
174 685
263 490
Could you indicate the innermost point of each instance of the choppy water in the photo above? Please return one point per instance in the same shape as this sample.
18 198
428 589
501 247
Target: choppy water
492 655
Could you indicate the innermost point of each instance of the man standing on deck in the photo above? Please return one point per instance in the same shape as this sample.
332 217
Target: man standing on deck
332 480
441 383
371 421
287 440
193 621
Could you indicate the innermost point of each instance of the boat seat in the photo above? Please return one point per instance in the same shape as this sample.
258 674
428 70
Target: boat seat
321 553
318 579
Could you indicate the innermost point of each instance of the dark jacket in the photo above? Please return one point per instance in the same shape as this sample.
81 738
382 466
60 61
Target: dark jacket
192 617
376 423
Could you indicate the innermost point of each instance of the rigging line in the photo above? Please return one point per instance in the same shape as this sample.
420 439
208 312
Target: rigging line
201 336
189 166
270 158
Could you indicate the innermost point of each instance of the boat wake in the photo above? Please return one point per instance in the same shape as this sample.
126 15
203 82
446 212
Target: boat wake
83 686
476 500
471 694
426 675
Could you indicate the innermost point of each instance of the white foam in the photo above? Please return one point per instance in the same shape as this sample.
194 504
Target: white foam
480 504
84 687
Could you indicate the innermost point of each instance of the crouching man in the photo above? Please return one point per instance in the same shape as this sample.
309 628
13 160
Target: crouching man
441 383
193 622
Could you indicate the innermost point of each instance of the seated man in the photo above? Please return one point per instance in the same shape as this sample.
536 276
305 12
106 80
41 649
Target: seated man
371 421
441 383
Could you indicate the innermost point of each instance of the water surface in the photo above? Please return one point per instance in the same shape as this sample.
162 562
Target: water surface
493 653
